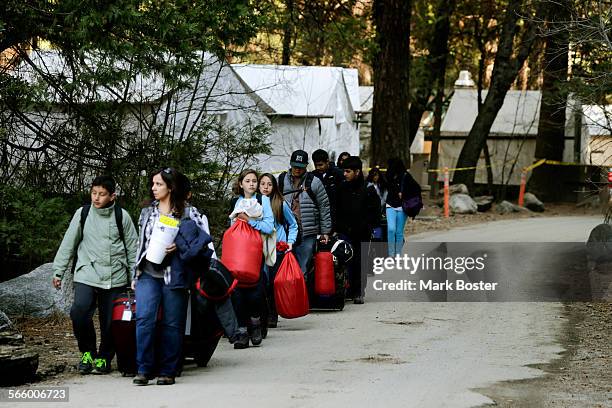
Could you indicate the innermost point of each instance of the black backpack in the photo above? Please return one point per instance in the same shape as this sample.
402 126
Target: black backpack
118 220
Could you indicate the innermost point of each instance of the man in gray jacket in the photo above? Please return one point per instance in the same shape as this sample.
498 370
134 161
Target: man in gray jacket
101 270
306 196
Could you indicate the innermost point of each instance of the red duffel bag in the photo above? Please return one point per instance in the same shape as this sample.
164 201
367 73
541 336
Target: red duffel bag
242 253
290 293
324 275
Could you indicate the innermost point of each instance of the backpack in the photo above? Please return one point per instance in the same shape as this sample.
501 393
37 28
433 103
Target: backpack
118 219
305 187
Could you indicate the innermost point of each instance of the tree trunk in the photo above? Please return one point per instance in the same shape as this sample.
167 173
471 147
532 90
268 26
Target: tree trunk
390 120
438 50
550 140
505 71
287 33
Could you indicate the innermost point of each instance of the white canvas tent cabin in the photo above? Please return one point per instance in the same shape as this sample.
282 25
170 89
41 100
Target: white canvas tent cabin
512 138
309 108
598 124
215 94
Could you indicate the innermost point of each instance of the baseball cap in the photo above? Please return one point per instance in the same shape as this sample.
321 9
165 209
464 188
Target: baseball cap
299 158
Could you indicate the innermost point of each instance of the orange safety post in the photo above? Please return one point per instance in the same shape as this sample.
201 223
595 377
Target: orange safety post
446 193
521 199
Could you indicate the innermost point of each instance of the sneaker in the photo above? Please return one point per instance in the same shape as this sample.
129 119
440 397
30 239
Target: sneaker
165 380
241 340
86 363
255 332
358 300
101 366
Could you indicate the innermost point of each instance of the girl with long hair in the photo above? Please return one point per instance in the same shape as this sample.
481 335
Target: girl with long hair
286 231
249 302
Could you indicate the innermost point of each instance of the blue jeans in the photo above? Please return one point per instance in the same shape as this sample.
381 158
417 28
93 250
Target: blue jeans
150 294
396 220
304 251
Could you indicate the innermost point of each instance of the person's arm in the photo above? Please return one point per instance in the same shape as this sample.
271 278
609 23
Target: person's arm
211 244
67 250
142 223
323 204
292 222
131 241
266 223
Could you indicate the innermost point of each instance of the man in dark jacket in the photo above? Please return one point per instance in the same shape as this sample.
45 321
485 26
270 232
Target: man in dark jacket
358 212
331 177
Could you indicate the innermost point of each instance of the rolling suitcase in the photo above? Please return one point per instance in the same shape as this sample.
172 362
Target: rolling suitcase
340 255
123 330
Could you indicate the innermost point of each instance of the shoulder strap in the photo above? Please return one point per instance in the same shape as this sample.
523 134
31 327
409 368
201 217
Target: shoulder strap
307 187
233 202
119 222
281 182
84 213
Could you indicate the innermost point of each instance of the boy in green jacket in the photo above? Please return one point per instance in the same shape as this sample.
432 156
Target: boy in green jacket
103 262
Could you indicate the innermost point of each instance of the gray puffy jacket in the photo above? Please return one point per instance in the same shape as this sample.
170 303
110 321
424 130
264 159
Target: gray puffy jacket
316 217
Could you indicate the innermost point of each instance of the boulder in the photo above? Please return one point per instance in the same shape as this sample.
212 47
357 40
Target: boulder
506 207
5 322
484 203
599 244
18 364
455 189
462 204
33 294
532 203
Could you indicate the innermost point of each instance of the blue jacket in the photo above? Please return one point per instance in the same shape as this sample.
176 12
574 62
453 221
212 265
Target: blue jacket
290 221
191 251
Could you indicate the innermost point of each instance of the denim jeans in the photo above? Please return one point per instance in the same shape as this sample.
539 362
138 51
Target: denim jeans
150 294
303 253
396 220
86 299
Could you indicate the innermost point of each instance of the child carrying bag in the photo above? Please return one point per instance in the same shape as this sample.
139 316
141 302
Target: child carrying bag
290 293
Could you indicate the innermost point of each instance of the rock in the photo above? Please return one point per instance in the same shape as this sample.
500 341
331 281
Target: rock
506 207
462 204
33 294
455 189
599 244
532 203
5 322
18 364
484 203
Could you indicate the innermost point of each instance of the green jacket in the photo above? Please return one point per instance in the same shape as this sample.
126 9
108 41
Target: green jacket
101 260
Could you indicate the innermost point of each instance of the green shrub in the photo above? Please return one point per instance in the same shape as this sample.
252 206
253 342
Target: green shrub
31 225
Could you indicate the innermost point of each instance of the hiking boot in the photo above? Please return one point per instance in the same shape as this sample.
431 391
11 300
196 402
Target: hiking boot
165 380
273 321
256 333
241 340
358 300
86 363
141 379
101 366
